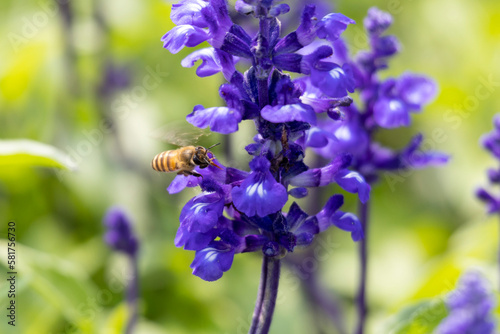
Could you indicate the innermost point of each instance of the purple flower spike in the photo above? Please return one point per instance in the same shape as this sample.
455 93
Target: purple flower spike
332 26
220 119
119 235
210 263
240 211
259 194
470 306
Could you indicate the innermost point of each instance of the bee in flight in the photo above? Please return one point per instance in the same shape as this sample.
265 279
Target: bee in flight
183 160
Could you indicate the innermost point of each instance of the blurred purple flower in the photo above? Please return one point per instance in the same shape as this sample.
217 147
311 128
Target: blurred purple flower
119 235
470 307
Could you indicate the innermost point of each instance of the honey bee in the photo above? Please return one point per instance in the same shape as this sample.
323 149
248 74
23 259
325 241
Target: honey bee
183 160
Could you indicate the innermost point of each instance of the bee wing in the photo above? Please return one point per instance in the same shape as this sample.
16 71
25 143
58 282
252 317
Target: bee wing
179 133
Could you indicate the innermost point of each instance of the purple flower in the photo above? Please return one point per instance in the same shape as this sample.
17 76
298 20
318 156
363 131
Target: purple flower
210 263
491 141
383 104
400 97
259 194
202 212
377 21
353 182
303 226
197 21
409 157
332 26
220 119
184 35
213 61
331 79
119 235
331 215
289 113
470 306
349 137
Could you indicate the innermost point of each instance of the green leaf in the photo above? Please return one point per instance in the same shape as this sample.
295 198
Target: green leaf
421 318
25 152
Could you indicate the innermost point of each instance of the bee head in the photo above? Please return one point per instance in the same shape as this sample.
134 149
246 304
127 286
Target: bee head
201 157
201 153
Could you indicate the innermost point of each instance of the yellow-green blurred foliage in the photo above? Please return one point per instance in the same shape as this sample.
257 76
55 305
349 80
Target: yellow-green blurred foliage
426 226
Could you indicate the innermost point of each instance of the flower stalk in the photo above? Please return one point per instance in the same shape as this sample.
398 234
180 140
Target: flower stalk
363 261
266 297
121 238
133 295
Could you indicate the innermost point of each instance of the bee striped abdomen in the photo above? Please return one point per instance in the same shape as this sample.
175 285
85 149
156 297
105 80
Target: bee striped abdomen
165 161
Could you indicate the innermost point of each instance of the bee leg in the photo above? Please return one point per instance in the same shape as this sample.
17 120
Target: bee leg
196 174
187 173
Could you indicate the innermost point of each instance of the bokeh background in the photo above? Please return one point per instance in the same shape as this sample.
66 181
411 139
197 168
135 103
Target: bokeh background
91 79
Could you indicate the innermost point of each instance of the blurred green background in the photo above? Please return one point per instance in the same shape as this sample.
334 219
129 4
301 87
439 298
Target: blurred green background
427 227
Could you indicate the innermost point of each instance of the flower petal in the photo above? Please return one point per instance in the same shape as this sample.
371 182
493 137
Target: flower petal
210 62
391 113
220 119
181 181
288 113
189 12
377 21
210 263
335 82
201 213
183 35
298 192
332 26
193 240
353 182
325 215
348 222
415 90
259 194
